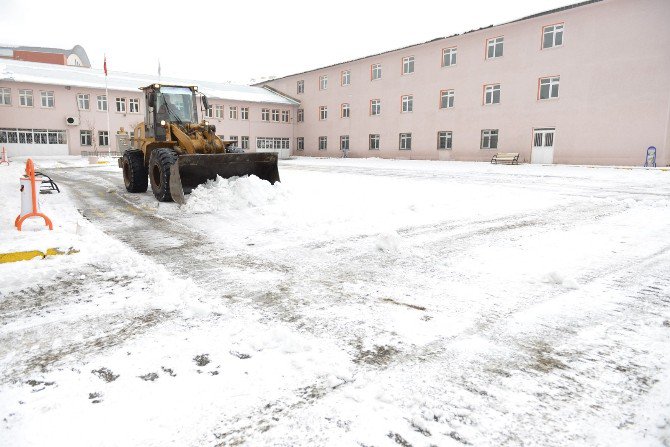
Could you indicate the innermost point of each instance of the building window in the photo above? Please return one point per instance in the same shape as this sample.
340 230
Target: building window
47 99
245 142
323 113
492 94
103 138
26 98
6 96
134 105
234 139
323 143
374 141
408 65
25 136
345 77
552 36
375 71
345 110
323 82
265 114
549 87
375 106
218 111
275 115
272 143
344 142
405 141
102 103
407 103
490 139
232 112
494 47
444 139
41 136
301 86
83 101
85 137
300 143
285 116
446 99
30 136
301 115
121 105
209 111
244 113
449 57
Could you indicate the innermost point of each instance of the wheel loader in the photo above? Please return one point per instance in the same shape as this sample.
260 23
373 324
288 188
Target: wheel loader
174 152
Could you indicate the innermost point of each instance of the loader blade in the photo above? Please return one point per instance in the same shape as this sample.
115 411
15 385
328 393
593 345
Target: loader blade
189 171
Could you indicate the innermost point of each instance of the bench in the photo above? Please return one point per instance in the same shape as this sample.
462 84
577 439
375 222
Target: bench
506 157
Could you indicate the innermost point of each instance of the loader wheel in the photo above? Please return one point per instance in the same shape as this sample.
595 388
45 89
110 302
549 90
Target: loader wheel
159 172
134 172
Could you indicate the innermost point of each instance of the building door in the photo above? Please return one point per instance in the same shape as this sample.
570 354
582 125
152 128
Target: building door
543 145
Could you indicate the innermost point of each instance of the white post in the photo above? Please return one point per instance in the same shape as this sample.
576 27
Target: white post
109 132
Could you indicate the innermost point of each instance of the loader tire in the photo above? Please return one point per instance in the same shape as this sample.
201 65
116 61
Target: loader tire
159 172
135 175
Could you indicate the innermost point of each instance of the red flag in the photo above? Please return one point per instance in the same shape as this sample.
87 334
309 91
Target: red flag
105 65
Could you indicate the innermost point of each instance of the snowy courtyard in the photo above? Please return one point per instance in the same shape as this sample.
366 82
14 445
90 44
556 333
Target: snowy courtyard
359 302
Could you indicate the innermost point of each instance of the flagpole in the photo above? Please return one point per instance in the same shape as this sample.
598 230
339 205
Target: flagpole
109 131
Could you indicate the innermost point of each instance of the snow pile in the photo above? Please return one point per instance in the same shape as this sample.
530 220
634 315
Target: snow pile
233 194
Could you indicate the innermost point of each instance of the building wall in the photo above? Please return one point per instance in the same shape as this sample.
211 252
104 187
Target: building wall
613 102
33 56
15 116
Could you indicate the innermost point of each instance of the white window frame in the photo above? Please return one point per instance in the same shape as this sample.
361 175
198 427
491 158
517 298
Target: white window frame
344 141
407 104
490 91
493 45
244 142
447 98
345 78
407 65
551 85
375 72
120 105
244 113
209 111
83 101
489 136
554 31
26 97
345 110
446 137
232 112
103 138
265 115
218 111
449 56
5 96
102 103
405 141
375 107
285 116
47 99
323 113
301 115
373 141
323 143
85 138
300 86
275 115
323 82
134 105
300 143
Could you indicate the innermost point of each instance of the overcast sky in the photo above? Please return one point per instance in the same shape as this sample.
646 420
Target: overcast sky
243 40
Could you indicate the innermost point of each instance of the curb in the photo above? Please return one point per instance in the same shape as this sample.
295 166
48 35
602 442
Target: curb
28 255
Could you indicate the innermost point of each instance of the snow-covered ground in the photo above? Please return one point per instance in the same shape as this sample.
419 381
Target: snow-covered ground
359 302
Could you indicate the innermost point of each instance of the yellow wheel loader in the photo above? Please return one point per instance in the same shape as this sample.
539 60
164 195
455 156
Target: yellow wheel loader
174 152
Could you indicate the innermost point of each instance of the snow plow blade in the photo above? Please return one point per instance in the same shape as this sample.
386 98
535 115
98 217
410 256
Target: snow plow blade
189 171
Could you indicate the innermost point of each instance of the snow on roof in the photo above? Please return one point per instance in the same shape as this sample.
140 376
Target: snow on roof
50 74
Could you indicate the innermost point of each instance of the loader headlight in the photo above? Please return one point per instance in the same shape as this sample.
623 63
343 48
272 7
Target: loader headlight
162 122
206 123
157 85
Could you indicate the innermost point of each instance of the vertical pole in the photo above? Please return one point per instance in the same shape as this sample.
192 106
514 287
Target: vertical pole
109 133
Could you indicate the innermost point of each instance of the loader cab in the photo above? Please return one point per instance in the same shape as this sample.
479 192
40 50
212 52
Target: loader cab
169 104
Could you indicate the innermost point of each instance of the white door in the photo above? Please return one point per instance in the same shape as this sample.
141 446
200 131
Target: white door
543 145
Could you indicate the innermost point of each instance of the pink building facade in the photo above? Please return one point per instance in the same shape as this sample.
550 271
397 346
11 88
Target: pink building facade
60 110
586 84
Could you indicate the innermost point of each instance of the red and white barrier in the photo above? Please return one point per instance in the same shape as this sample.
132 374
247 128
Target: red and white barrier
29 205
4 159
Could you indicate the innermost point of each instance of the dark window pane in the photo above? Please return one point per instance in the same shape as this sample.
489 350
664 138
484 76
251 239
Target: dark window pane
548 40
559 38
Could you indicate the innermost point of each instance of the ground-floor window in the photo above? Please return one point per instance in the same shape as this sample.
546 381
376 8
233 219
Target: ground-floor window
490 139
344 142
374 141
103 138
85 137
33 136
444 139
245 142
272 143
234 139
300 143
323 143
405 141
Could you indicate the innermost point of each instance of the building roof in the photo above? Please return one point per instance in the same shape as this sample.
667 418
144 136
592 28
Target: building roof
540 14
48 74
77 49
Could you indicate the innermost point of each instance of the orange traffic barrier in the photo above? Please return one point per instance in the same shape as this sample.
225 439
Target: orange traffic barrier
3 159
30 173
